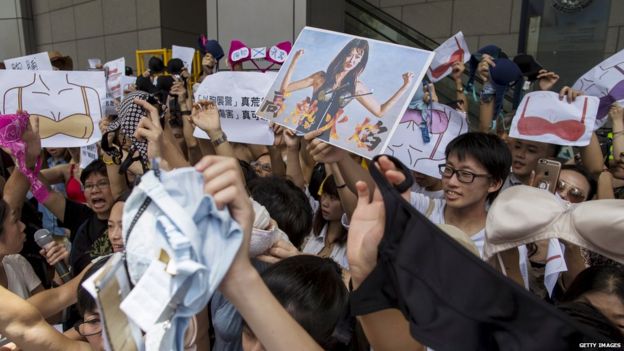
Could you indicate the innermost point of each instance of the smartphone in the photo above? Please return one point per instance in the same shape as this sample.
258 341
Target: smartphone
547 174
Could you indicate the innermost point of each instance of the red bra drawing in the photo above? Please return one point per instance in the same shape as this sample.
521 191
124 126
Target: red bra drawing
277 54
456 56
569 129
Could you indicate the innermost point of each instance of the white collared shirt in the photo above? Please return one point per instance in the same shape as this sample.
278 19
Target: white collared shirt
314 244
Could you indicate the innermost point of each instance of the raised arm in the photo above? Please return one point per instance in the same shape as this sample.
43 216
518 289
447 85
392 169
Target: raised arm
616 114
52 301
205 115
294 171
386 329
242 285
369 102
22 323
349 169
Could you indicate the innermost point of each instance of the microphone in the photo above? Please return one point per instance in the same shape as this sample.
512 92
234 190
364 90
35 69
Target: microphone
43 237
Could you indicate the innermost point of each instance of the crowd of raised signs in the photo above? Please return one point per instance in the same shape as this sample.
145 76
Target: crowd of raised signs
337 204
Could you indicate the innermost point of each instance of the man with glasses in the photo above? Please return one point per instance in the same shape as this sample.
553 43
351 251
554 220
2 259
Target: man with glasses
476 166
87 223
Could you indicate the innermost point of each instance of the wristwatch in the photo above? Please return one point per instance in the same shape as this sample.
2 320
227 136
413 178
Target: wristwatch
220 140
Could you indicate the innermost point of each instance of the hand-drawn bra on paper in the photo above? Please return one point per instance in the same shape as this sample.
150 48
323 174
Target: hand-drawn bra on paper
607 95
78 125
456 56
438 125
568 129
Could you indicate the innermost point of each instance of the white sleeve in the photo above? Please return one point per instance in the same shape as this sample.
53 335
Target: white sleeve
313 203
29 277
420 202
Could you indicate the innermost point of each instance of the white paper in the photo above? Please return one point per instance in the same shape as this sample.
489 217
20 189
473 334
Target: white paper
408 145
115 71
453 50
258 53
238 95
605 81
34 62
349 114
150 298
185 54
68 103
127 82
555 264
543 117
88 154
94 62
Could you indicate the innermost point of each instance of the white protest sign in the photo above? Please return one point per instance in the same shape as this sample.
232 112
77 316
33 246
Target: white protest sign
34 62
185 54
94 62
454 49
543 117
238 95
127 82
420 142
606 81
88 154
331 82
68 103
115 70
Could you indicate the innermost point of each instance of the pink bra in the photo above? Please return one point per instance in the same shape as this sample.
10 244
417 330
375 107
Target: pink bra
523 214
570 130
277 54
11 129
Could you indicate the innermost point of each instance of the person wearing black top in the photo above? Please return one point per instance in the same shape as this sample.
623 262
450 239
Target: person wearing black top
87 223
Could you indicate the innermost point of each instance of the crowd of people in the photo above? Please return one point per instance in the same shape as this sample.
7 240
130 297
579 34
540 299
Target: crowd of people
335 251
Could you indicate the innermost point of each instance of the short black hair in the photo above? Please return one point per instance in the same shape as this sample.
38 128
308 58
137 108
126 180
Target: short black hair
487 149
312 291
85 302
96 167
286 203
582 170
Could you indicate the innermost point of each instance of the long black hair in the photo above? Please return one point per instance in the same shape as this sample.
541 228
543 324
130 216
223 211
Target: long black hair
328 187
4 212
336 66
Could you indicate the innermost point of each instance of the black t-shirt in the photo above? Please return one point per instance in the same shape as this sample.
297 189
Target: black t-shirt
88 235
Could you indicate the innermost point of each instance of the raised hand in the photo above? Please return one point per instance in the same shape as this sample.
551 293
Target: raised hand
322 151
569 93
546 79
149 129
223 181
458 69
205 115
483 70
291 139
365 233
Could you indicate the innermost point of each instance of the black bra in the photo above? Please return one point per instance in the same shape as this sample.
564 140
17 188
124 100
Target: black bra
451 298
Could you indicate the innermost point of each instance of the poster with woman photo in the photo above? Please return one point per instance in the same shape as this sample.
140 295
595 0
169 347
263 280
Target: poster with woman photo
353 89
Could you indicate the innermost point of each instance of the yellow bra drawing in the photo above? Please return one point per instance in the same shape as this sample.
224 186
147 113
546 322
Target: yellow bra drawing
77 125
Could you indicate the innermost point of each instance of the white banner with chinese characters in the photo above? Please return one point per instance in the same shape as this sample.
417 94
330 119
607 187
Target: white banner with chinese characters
238 95
34 62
